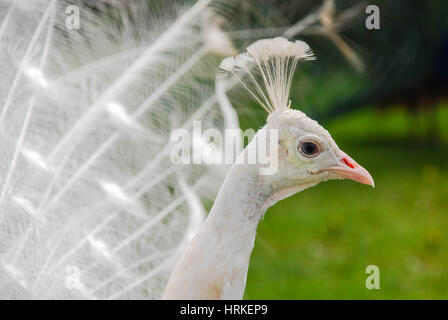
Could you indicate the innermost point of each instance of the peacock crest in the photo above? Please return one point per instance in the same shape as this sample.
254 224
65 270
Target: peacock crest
267 68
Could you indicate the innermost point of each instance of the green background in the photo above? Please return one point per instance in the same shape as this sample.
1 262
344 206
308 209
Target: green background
318 243
393 120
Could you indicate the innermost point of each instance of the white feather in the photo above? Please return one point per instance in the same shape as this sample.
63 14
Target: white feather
267 68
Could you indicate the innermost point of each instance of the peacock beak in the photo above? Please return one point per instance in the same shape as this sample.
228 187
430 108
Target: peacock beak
349 169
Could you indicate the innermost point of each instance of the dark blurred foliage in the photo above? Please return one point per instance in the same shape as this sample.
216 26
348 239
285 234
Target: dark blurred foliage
406 59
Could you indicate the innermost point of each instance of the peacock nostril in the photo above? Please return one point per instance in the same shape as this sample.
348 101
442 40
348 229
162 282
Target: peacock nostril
348 163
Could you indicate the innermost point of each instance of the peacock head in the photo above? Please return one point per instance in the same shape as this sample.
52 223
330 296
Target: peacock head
306 152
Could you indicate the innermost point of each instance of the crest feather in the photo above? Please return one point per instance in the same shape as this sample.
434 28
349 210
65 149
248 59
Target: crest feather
266 70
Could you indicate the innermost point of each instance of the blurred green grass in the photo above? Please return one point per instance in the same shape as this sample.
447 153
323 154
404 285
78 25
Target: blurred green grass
318 243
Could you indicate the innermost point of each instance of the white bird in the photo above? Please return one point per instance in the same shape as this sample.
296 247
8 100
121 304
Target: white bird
215 264
90 204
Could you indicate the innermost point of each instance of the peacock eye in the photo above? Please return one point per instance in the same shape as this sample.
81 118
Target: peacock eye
309 149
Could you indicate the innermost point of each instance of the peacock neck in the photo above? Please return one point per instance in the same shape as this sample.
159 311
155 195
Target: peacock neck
215 264
240 203
226 239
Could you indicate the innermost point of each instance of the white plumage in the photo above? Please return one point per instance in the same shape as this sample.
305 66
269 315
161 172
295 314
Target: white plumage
274 62
90 205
